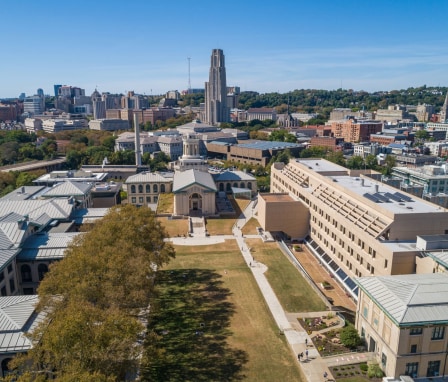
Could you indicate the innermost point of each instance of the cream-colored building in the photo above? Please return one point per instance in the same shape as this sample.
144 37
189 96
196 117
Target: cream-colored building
144 188
357 226
280 212
404 321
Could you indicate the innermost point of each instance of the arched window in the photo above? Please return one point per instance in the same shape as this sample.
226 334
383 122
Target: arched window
5 368
42 269
140 189
242 185
235 185
228 187
155 188
221 187
25 270
132 189
162 188
249 185
148 189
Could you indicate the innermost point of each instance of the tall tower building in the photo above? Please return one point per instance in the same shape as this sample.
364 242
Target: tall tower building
216 109
444 110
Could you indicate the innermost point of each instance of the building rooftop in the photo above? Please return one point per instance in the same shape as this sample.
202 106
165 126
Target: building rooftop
17 317
183 179
268 145
145 177
409 299
272 198
233 175
46 246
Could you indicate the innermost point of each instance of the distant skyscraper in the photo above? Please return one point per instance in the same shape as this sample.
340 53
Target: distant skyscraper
56 90
444 110
216 109
40 92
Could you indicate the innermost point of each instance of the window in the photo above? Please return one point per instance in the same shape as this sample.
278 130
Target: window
148 199
162 188
9 268
413 349
140 199
148 189
133 200
433 369
12 285
383 359
416 331
25 271
411 369
438 333
140 189
365 311
155 188
41 270
132 189
155 199
385 263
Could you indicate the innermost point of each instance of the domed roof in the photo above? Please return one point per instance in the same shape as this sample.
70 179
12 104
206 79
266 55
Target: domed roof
95 94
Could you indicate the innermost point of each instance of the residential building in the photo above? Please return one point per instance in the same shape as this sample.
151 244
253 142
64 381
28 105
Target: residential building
404 322
216 109
355 131
357 226
330 143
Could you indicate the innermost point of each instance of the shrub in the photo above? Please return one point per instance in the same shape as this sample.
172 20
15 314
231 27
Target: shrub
363 366
374 371
350 337
335 369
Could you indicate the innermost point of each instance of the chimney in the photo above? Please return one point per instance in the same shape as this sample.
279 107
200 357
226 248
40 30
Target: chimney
138 157
362 182
377 187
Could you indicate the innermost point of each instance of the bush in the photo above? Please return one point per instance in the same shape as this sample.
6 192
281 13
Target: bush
363 366
350 337
374 371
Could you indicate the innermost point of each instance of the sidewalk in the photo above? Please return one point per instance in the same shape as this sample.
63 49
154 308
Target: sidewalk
314 366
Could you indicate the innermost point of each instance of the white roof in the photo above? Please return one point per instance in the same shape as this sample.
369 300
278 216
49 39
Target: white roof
184 179
148 177
69 189
46 246
23 193
17 316
410 299
234 176
37 209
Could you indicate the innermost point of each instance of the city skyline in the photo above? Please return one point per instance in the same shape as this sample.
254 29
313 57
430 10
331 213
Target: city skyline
278 47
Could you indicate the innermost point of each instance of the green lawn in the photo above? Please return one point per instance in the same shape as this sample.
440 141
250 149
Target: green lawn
250 228
174 227
291 288
213 324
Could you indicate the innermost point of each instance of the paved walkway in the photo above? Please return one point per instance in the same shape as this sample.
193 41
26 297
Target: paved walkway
313 366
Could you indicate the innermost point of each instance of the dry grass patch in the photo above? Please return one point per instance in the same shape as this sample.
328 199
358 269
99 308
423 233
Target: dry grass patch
292 290
220 226
165 204
246 344
250 228
174 227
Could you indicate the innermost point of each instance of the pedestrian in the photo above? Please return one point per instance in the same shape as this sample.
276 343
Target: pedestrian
325 376
306 341
301 355
306 353
298 357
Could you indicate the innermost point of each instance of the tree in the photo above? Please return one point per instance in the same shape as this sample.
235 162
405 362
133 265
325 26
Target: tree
336 157
350 337
371 161
389 164
355 163
93 299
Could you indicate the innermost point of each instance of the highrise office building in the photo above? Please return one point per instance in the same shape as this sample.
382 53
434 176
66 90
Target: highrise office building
216 109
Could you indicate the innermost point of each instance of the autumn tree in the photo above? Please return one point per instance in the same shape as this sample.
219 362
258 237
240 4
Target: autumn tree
94 301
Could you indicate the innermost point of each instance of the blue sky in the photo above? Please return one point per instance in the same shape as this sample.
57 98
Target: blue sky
144 45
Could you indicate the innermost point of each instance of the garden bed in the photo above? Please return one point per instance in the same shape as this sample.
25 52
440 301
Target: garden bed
355 372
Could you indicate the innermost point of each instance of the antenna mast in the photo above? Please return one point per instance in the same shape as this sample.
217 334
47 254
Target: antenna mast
189 80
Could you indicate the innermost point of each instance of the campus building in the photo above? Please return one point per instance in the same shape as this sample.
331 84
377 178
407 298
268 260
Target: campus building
357 226
403 320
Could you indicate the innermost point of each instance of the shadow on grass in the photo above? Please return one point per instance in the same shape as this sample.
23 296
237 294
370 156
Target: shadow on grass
188 330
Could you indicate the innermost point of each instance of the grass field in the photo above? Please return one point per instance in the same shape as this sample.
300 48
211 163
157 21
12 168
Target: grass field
292 290
165 204
213 324
250 228
174 227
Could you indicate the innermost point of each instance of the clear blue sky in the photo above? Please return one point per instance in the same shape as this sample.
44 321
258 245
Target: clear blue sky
269 46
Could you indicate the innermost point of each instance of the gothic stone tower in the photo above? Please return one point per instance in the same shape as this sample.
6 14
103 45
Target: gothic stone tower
216 109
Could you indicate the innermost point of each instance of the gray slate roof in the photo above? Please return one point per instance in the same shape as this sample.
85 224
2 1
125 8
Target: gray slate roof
233 176
46 246
17 316
184 179
409 299
24 193
68 188
147 177
36 209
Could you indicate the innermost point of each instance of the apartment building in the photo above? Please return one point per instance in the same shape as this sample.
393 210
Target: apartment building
357 226
404 320
355 131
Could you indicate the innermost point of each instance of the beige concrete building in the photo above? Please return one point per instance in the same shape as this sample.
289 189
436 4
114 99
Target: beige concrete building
144 188
357 227
280 212
403 320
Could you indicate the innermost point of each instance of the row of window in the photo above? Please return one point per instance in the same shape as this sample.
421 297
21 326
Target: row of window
147 188
142 199
432 370
25 272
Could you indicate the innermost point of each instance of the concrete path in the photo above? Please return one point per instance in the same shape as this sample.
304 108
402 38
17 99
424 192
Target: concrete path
313 366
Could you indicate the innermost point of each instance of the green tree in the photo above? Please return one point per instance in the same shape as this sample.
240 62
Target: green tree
355 163
336 157
350 337
389 164
371 162
93 299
